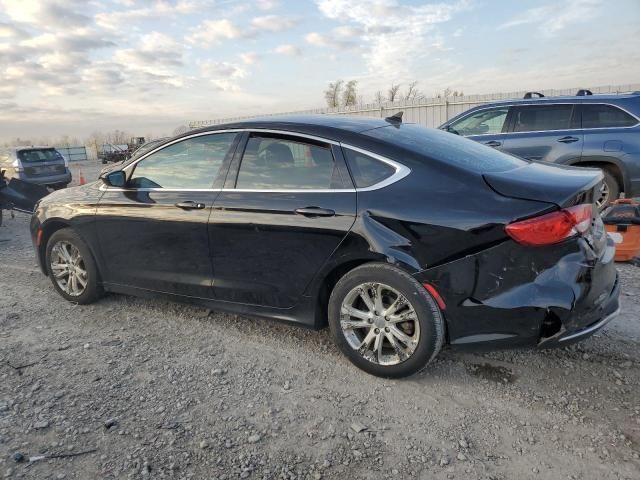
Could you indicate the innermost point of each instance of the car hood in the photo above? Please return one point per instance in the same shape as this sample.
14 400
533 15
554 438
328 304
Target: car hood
87 193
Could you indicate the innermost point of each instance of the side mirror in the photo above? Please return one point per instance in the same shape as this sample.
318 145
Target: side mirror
115 179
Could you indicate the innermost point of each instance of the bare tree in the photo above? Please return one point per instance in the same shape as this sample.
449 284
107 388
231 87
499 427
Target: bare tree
349 96
379 97
412 92
392 93
180 129
332 93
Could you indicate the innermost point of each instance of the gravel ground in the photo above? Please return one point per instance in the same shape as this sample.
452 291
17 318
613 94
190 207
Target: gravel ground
133 388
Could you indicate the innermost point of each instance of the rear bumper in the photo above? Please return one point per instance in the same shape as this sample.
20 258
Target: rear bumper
510 296
606 312
58 179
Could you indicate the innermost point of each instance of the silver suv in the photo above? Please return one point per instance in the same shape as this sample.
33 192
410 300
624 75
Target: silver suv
40 165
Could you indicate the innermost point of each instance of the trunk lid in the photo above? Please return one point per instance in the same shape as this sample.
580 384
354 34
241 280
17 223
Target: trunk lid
558 184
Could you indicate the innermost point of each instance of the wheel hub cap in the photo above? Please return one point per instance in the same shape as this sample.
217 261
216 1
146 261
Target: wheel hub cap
68 268
379 323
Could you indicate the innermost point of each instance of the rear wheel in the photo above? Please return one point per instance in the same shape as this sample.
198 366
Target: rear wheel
609 190
71 267
384 321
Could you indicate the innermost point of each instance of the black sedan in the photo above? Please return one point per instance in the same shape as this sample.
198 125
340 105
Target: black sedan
402 239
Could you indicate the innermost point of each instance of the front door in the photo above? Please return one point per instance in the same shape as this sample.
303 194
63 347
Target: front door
153 233
485 126
279 219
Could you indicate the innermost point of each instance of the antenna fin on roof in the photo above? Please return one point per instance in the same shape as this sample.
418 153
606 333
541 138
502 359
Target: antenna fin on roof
395 118
583 92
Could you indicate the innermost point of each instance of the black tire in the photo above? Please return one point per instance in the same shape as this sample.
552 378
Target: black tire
430 318
93 290
613 188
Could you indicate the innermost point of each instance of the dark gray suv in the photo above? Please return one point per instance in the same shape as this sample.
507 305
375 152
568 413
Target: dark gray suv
41 165
588 130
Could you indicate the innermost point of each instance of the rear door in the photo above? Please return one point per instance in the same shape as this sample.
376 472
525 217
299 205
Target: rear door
485 126
41 162
545 132
287 204
153 233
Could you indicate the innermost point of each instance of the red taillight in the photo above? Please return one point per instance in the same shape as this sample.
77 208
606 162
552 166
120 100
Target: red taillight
39 237
553 227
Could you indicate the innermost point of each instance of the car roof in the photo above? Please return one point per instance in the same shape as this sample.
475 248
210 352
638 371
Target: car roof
596 98
331 127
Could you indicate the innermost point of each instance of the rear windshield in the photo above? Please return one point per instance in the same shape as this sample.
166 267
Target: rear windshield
39 155
447 147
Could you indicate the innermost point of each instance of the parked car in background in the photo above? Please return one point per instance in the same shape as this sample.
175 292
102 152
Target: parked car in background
586 130
40 165
400 238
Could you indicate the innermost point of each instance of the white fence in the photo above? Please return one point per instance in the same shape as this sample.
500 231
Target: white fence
430 112
73 154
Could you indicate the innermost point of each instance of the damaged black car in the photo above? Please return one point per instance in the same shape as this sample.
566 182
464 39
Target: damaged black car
401 239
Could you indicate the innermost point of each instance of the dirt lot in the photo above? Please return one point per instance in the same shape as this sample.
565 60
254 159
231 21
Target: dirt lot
153 389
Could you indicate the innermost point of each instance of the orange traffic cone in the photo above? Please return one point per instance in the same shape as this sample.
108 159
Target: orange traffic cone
82 180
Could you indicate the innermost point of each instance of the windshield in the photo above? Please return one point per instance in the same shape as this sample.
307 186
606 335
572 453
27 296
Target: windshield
447 147
147 147
39 155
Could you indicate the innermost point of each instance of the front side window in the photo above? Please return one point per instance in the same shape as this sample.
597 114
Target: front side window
276 163
190 164
484 122
538 118
605 116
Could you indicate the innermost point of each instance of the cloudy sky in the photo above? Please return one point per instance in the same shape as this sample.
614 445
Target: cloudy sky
147 66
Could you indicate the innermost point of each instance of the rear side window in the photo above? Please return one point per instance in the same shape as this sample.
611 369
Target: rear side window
537 118
484 122
446 147
605 116
39 155
277 163
365 170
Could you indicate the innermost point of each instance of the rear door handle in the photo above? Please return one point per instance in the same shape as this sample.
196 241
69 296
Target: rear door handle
190 205
493 143
568 139
315 212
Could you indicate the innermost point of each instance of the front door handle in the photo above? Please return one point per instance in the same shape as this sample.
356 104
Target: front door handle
190 205
568 139
493 143
315 212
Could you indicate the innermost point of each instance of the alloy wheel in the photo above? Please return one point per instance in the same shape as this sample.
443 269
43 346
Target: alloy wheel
380 323
68 268
603 196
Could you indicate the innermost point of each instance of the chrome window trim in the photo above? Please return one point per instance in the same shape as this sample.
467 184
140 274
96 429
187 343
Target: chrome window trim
106 188
401 170
547 131
230 130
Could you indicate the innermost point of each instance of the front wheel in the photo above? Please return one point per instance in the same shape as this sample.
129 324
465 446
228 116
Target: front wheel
71 267
384 321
